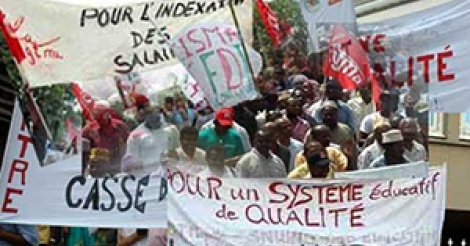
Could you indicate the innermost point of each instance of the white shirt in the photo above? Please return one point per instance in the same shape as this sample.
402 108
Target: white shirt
149 146
367 124
255 165
295 146
368 155
241 131
417 152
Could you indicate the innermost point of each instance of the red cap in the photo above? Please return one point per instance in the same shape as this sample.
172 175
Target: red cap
224 116
140 100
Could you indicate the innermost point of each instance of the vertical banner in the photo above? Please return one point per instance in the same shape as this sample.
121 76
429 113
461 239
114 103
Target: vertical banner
321 15
206 210
213 54
57 194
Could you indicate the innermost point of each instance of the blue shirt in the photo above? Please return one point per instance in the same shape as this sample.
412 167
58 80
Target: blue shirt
28 232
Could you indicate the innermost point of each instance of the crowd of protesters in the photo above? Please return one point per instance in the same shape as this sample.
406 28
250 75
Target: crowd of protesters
301 126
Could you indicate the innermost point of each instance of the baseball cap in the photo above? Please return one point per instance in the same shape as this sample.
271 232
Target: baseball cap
224 116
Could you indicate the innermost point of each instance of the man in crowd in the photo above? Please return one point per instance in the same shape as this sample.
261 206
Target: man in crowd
392 143
230 115
362 105
280 151
260 162
285 140
215 159
322 161
188 151
339 132
149 143
222 133
299 125
414 151
388 106
374 150
105 139
333 92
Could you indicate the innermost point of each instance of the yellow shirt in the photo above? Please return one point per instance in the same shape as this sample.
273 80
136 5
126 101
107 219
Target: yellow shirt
339 162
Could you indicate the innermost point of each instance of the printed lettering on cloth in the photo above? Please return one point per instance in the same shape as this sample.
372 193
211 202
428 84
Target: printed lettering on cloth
60 41
321 15
214 56
346 61
297 212
57 194
427 50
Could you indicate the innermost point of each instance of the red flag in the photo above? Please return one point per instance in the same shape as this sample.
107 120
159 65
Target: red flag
12 41
349 63
86 102
271 23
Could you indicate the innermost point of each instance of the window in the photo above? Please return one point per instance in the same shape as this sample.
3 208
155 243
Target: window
465 126
436 125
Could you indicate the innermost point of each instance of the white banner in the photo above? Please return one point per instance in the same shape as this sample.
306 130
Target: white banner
321 15
57 194
412 170
65 42
213 211
429 47
213 54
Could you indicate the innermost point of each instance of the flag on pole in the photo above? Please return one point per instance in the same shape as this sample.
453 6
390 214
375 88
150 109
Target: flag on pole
271 23
85 100
348 62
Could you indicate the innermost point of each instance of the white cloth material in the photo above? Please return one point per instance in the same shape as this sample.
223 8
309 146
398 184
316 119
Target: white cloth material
241 131
255 165
368 155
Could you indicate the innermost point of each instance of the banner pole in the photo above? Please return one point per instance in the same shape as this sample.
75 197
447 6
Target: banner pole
235 19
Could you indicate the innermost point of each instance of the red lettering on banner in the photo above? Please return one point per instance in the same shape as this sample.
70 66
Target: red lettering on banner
191 184
441 65
356 216
425 59
7 200
18 166
25 140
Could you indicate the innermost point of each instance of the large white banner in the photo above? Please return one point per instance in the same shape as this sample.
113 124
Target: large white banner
321 15
57 194
424 48
64 42
214 55
206 210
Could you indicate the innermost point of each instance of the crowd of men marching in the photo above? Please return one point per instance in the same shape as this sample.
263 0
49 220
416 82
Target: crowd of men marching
302 126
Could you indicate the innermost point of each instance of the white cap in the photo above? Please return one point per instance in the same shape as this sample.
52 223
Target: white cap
392 136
